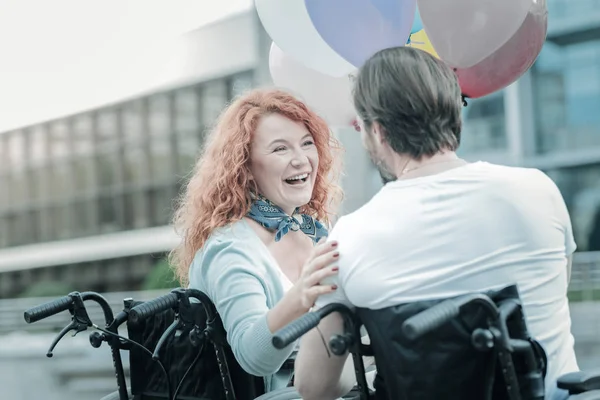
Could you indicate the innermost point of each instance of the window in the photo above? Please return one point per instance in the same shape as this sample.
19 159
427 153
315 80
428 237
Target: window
159 111
136 210
567 96
83 221
213 99
60 182
108 135
137 164
108 169
16 150
133 121
83 135
484 126
84 179
580 188
160 205
60 141
38 153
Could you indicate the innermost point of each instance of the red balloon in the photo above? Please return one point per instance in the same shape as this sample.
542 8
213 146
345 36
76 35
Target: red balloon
509 62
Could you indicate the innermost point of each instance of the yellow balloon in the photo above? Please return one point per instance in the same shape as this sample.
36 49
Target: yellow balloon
419 40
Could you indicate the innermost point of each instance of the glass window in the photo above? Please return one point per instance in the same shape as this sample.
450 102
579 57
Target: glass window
108 135
567 96
161 159
160 205
109 169
136 210
159 111
4 189
107 214
17 189
213 100
83 135
16 150
186 111
580 188
484 125
59 185
84 178
60 216
133 121
83 217
136 164
38 153
60 141
188 148
37 183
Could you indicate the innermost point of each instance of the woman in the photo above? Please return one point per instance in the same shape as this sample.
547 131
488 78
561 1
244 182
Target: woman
251 216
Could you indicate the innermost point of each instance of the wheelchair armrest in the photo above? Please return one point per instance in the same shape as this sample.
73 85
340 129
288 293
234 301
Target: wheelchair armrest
580 381
593 395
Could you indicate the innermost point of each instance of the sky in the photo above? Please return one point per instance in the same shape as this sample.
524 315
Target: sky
61 56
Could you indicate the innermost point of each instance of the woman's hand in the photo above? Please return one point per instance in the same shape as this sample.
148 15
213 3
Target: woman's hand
320 265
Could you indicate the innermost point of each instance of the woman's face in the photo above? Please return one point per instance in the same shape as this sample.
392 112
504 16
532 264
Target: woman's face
284 161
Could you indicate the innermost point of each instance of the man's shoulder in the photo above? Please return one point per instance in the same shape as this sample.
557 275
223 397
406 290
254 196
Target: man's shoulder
502 177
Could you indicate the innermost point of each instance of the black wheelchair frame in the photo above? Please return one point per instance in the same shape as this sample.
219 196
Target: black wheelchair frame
178 300
580 385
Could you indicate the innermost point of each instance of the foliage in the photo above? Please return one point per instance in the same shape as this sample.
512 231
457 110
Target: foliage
161 277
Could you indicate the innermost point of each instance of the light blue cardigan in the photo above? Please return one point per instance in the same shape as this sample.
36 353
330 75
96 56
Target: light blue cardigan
239 274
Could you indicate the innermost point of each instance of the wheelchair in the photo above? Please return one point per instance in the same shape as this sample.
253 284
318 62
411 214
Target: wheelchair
471 347
177 348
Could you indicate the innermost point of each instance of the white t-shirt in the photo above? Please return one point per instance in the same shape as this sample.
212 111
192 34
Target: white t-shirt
472 228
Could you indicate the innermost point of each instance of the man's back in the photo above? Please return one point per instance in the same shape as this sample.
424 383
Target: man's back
477 227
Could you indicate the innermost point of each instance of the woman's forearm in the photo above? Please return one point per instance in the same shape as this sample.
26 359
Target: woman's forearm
285 311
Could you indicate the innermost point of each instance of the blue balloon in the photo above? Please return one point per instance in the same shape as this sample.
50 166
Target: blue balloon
357 29
417 23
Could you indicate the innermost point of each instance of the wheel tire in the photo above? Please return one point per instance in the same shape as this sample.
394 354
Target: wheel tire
115 396
288 393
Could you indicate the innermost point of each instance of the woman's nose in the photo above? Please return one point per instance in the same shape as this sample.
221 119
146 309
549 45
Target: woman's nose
299 161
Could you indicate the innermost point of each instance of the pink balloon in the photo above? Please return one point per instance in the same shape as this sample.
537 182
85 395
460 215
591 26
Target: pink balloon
511 61
330 97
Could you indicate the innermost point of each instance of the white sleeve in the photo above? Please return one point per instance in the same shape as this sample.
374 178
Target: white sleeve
562 214
339 295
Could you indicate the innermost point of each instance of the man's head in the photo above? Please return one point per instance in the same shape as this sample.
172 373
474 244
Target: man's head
409 105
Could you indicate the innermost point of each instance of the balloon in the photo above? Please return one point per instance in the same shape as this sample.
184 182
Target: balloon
357 29
510 61
289 25
329 96
420 41
417 23
464 32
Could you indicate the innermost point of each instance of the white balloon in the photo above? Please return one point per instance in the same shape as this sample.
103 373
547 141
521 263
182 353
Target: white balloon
290 26
464 32
329 96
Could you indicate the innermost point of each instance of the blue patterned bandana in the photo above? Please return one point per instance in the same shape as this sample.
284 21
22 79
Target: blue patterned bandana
275 219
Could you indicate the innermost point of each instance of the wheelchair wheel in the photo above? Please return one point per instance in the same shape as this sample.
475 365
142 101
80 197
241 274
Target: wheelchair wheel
115 396
288 393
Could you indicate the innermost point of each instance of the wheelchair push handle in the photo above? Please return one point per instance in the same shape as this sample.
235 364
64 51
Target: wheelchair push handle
293 331
430 319
48 309
152 307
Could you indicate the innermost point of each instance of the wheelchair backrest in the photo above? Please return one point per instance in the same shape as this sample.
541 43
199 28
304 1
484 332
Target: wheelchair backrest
444 363
203 382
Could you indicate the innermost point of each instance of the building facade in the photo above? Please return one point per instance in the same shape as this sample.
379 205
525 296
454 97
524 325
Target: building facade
87 197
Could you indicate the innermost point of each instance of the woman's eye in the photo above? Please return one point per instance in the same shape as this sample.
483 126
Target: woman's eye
280 148
309 143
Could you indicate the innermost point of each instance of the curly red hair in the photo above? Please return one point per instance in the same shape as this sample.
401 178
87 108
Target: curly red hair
218 192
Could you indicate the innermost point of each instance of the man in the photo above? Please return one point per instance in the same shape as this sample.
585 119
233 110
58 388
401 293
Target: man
441 226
